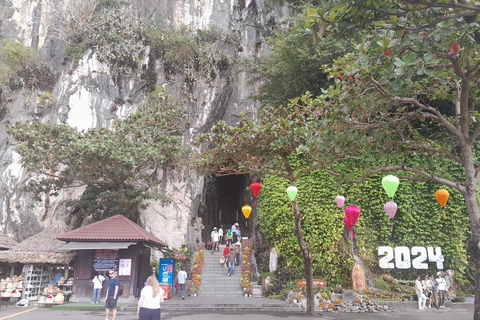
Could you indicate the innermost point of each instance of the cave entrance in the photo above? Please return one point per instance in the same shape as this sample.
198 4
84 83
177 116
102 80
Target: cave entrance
224 198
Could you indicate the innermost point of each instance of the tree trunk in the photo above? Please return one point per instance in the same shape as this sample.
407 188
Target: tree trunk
307 256
473 246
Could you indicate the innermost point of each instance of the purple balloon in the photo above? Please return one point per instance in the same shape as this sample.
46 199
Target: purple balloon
340 200
390 208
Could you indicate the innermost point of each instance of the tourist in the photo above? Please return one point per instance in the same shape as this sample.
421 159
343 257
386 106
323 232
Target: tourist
237 248
231 263
234 232
229 237
220 235
151 296
112 295
215 240
434 291
225 253
181 277
97 287
442 288
428 291
419 291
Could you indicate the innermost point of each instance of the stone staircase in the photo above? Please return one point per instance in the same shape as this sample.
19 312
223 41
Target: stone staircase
215 282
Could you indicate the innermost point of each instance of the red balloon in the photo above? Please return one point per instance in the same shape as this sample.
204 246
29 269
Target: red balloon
255 187
347 223
352 213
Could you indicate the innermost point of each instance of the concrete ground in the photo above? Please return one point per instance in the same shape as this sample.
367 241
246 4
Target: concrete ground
32 313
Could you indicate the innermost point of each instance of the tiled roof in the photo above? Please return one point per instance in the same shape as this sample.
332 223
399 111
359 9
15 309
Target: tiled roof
116 228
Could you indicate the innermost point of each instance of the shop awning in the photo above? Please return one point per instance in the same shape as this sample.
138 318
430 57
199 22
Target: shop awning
85 245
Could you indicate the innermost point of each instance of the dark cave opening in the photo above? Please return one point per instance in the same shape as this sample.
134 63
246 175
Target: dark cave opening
224 198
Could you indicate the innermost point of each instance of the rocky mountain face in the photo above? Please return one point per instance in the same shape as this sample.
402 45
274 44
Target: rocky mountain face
92 91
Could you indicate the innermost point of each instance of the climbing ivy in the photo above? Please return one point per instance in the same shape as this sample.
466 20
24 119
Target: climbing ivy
419 221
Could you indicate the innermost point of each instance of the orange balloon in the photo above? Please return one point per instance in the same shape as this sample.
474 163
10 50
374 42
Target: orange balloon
442 196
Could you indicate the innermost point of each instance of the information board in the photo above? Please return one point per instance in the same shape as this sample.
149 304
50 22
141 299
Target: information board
257 291
105 260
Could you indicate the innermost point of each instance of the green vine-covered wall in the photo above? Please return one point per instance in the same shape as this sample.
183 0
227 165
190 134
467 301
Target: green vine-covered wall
419 221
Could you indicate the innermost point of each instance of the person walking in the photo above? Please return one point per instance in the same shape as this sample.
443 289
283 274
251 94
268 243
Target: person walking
234 232
225 253
112 295
220 234
419 291
231 263
148 307
237 248
434 291
215 240
229 237
181 276
442 288
97 287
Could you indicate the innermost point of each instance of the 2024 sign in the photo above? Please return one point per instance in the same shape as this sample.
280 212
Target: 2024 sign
402 257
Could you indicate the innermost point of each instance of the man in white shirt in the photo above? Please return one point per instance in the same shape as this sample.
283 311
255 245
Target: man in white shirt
181 276
442 289
234 232
215 239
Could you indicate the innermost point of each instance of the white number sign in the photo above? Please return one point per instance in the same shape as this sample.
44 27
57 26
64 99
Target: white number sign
402 256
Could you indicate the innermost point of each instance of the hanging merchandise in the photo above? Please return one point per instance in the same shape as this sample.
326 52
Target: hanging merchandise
442 197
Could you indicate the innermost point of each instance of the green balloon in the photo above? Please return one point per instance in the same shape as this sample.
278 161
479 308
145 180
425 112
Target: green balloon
390 184
292 192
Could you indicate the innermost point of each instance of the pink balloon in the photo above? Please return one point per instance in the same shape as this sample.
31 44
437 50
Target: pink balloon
347 223
390 208
340 200
352 213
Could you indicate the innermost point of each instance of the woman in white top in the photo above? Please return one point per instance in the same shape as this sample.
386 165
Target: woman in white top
97 287
150 298
442 288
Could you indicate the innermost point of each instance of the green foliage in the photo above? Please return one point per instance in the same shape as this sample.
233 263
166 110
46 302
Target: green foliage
48 98
419 222
381 285
76 51
13 57
294 66
118 166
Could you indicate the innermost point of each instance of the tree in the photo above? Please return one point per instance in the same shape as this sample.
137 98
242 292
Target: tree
271 145
410 86
118 165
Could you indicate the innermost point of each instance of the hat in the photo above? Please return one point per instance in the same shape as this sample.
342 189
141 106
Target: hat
214 228
237 243
236 223
439 273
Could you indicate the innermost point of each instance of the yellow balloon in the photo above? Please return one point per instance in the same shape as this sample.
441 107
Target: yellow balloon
246 211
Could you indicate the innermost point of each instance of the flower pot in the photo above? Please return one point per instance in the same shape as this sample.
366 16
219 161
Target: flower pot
249 295
246 295
295 301
194 294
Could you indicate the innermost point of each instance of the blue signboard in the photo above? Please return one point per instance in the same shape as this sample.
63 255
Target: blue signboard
166 272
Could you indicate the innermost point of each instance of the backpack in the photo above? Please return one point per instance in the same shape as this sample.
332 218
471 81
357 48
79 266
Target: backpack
120 290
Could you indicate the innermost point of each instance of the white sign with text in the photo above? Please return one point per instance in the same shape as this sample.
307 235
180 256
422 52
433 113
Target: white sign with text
400 258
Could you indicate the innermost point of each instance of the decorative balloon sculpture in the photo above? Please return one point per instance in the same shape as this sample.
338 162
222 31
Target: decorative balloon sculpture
292 192
351 213
442 197
390 184
255 187
246 212
390 208
340 201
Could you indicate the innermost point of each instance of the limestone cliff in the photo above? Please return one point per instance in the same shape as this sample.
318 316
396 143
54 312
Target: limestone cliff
91 92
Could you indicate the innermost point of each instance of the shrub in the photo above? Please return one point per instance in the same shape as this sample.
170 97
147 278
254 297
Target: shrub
380 284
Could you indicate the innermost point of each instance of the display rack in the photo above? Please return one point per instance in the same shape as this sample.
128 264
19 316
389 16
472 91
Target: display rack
36 278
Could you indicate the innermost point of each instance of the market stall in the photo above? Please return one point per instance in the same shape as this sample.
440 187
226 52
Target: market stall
40 262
